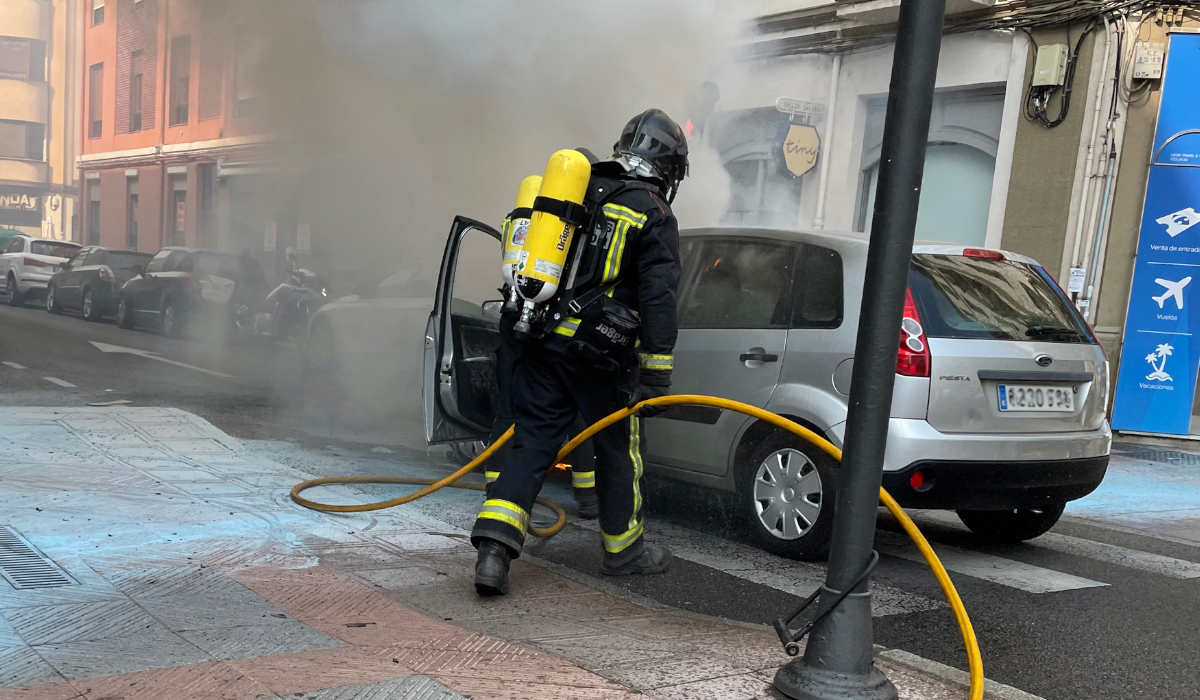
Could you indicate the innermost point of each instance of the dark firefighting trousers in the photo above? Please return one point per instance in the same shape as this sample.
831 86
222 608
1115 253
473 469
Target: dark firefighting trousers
582 460
550 390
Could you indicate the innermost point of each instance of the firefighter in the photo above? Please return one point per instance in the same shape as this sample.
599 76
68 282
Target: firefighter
582 461
628 269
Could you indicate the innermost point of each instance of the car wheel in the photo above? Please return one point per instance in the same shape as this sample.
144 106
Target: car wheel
786 492
91 312
172 322
15 298
1012 524
52 300
124 314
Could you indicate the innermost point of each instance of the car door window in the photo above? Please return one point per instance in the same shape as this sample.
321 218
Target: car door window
159 262
80 260
180 261
739 283
16 245
818 297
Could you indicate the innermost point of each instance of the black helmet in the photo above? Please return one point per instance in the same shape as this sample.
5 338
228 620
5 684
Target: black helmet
653 146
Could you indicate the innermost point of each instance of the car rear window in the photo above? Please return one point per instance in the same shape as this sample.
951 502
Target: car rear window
61 250
124 261
964 297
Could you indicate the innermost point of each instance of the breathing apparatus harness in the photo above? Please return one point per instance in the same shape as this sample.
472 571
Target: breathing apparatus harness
607 329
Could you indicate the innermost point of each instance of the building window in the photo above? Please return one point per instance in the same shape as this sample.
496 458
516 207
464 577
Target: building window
97 12
960 160
249 50
22 140
95 100
93 213
181 58
178 210
135 91
961 178
22 59
131 208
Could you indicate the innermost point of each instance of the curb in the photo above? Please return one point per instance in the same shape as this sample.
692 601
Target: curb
953 676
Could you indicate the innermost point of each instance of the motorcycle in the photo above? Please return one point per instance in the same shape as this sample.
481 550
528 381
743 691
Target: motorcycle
292 303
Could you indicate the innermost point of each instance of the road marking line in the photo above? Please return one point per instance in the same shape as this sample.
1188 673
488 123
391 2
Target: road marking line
60 382
105 347
1121 556
1101 551
14 365
758 566
1006 572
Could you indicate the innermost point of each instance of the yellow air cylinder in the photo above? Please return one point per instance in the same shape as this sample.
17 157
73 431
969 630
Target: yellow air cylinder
516 226
549 237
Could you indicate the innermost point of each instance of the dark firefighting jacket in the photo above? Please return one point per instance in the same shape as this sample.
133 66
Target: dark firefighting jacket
632 251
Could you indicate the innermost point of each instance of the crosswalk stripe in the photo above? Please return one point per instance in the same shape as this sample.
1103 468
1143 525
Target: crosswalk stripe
1007 572
755 565
13 365
1121 556
1101 551
60 382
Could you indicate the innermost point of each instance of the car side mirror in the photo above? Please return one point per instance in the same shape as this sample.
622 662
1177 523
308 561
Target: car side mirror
491 309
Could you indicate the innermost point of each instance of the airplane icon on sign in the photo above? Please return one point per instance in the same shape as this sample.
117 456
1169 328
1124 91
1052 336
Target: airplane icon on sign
1174 290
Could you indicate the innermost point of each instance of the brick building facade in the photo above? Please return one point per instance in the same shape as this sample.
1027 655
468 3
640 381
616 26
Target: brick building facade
171 150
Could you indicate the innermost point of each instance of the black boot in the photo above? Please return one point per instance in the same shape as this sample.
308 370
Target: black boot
587 503
491 568
653 559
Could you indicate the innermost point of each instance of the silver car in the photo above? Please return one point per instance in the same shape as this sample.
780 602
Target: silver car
999 406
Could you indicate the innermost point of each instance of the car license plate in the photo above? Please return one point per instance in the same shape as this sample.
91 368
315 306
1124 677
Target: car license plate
1036 397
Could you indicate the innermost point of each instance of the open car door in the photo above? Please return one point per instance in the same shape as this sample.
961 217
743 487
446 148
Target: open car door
462 335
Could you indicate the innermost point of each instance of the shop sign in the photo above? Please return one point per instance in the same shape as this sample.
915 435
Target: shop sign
19 201
1156 383
801 145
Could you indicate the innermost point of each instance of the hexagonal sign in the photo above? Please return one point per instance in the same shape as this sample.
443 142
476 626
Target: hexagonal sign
801 146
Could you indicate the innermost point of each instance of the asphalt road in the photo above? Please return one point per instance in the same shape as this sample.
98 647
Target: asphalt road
1104 606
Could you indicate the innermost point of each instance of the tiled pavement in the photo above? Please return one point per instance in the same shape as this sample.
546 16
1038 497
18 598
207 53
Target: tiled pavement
197 578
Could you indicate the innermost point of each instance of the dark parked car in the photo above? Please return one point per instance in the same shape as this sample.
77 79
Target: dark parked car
182 288
90 281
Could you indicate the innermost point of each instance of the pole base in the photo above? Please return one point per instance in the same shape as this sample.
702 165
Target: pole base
799 681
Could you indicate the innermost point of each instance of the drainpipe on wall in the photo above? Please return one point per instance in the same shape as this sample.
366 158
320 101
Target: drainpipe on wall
1086 195
163 119
830 115
1098 235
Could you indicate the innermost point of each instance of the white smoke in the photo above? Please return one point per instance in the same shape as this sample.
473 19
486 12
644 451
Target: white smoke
397 115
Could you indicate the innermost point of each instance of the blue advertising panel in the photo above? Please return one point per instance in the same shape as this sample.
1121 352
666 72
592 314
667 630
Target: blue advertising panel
1156 383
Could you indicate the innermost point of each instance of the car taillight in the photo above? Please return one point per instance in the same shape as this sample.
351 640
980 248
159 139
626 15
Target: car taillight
106 273
34 262
912 359
982 253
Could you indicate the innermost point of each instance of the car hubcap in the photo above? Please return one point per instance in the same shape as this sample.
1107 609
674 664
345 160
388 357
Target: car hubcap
87 304
50 299
787 494
169 320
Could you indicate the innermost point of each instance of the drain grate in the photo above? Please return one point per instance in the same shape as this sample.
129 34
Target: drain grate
23 566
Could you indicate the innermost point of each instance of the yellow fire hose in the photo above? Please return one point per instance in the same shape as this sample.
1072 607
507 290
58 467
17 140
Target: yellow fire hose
974 660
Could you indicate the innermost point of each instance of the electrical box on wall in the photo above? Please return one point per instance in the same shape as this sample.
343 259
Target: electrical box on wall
1050 69
1148 60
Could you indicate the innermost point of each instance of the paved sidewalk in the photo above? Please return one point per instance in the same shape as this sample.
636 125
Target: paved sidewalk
192 575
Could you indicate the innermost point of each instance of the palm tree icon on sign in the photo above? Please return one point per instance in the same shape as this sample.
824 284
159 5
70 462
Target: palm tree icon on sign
1158 360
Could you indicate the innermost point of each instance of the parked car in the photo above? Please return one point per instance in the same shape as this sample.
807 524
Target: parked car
362 357
28 263
90 281
183 288
1000 396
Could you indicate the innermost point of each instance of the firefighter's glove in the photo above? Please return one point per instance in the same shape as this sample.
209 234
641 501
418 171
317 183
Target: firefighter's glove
651 385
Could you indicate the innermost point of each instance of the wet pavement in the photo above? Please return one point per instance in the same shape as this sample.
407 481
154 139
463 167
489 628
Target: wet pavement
191 574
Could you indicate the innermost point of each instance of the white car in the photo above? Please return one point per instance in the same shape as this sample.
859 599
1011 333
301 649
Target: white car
28 263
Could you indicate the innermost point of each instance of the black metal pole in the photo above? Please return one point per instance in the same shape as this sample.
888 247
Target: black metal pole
838 661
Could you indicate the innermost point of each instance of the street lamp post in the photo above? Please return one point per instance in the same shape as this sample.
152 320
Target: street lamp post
838 661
